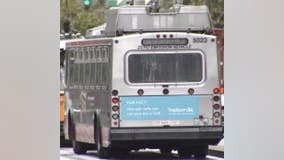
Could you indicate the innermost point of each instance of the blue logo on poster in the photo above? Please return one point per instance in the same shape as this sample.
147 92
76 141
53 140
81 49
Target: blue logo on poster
159 107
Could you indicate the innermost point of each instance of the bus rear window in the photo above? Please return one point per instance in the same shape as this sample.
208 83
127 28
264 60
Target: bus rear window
165 68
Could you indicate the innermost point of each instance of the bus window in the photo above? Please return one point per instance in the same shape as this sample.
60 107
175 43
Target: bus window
98 74
87 67
165 68
75 76
71 68
93 67
81 74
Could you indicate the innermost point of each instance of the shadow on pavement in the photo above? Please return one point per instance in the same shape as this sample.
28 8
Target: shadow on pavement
146 155
65 143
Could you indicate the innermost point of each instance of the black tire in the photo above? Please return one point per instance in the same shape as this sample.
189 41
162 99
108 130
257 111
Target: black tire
64 142
165 150
184 153
102 152
119 152
79 148
200 152
71 130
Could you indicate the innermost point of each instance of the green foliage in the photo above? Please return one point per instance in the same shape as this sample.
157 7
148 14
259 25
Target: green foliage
165 4
80 18
216 8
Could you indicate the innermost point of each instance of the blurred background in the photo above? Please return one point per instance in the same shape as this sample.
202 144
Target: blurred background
77 16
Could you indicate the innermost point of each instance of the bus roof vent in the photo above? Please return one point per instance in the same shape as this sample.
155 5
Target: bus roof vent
147 18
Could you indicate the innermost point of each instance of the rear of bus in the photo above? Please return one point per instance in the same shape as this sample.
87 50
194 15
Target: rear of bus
165 79
166 94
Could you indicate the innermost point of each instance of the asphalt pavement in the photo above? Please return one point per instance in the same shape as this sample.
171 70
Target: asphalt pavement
67 154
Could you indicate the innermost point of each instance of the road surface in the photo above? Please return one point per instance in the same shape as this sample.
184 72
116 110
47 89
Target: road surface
67 154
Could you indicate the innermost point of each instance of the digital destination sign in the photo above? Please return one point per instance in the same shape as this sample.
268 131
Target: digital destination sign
171 41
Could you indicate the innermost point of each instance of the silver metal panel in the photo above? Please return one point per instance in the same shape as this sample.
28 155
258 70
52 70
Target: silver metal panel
132 43
86 98
136 18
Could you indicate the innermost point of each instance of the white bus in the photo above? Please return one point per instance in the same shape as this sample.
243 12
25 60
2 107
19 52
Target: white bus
151 82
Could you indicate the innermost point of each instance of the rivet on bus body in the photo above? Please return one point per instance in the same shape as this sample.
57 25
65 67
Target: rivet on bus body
115 123
116 41
212 40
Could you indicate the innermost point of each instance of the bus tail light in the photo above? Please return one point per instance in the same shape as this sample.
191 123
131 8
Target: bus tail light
114 92
216 98
166 91
216 121
216 114
216 106
115 108
115 100
115 123
140 92
216 90
115 116
190 91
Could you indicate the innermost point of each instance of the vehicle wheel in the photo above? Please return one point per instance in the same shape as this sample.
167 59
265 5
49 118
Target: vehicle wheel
78 147
71 130
165 150
119 152
101 151
184 153
201 151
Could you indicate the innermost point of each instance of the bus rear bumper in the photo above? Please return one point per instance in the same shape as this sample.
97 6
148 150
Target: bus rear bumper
173 133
